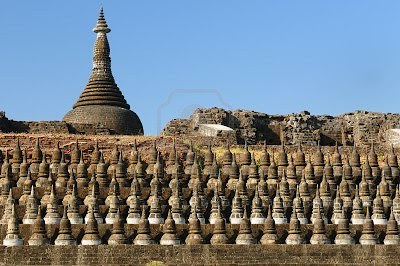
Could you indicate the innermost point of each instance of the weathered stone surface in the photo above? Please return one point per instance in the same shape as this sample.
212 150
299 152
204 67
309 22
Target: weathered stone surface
53 127
116 119
360 127
199 255
217 130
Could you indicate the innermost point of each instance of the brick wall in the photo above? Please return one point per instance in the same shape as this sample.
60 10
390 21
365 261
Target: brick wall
199 255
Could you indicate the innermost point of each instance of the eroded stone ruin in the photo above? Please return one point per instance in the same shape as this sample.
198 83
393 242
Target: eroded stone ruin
360 127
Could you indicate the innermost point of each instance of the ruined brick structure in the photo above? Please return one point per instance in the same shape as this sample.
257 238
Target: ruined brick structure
52 127
360 127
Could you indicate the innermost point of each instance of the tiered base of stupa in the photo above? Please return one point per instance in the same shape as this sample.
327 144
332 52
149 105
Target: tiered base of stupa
117 119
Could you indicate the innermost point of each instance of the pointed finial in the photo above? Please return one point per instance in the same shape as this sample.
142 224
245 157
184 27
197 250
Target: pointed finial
10 194
101 157
317 192
219 215
44 160
96 145
101 26
62 157
191 145
143 216
297 192
81 157
120 160
17 146
367 215
245 212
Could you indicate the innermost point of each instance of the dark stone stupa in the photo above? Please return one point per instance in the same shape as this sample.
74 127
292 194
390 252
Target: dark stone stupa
101 102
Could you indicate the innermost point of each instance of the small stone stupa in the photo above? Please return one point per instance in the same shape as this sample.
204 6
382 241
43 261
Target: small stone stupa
101 102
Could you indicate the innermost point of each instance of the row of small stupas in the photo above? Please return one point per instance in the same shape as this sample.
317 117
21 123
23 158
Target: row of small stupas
325 190
143 233
314 166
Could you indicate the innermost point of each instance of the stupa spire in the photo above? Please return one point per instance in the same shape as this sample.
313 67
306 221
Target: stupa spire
101 88
101 25
102 102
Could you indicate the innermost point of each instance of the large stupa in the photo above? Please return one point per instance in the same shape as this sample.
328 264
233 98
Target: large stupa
101 102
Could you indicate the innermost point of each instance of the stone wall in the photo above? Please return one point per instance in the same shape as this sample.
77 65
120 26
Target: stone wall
50 127
360 127
199 255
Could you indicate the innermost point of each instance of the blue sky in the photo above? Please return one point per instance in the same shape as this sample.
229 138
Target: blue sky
169 57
